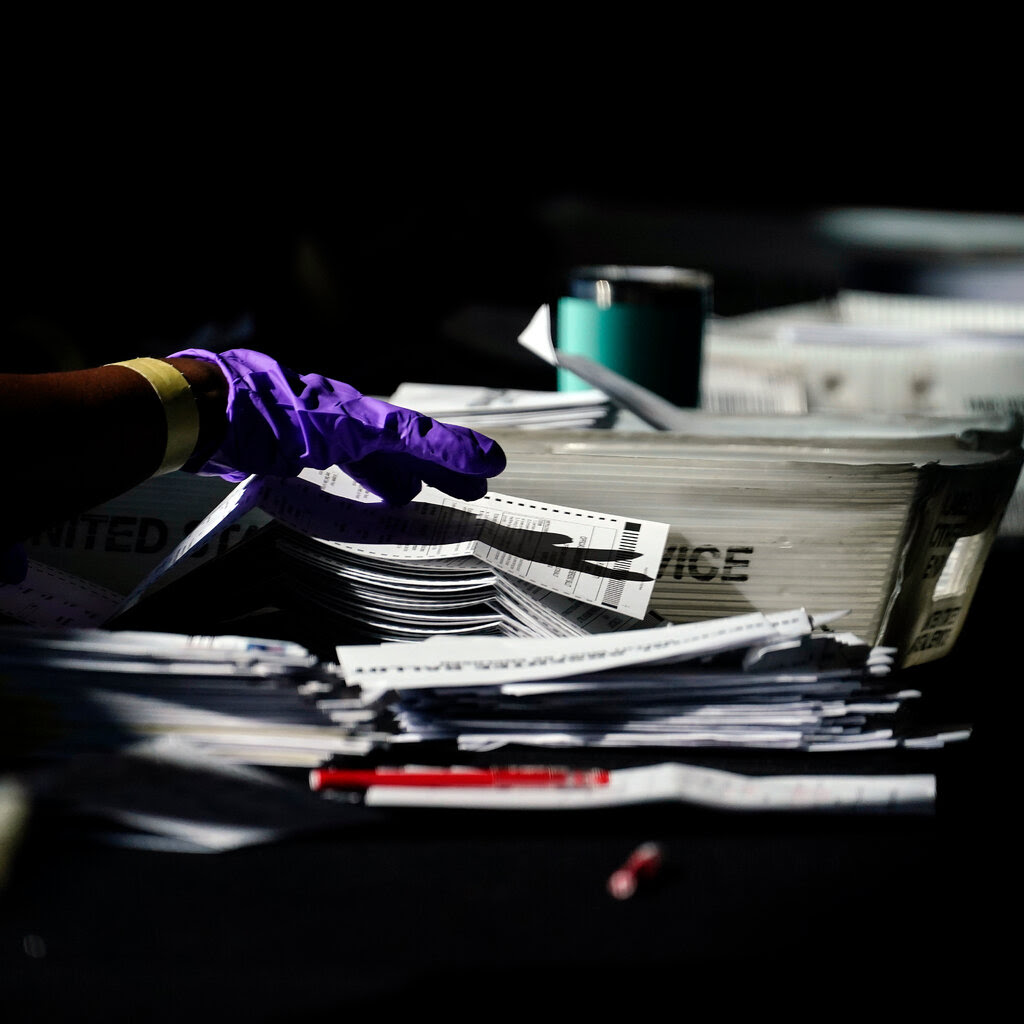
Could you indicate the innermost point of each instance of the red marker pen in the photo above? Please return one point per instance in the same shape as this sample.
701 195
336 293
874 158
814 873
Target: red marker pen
340 778
644 862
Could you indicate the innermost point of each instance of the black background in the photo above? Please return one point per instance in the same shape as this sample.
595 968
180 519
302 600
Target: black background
394 206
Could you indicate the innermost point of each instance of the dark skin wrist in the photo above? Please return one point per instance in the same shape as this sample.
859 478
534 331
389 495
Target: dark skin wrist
78 438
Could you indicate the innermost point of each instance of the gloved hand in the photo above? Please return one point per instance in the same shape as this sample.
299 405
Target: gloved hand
280 422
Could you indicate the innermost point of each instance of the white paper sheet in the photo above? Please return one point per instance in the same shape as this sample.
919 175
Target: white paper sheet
471 661
689 784
598 558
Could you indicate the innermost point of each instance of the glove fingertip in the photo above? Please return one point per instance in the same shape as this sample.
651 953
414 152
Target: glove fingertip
472 489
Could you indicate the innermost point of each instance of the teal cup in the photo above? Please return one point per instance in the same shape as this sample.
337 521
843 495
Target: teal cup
646 323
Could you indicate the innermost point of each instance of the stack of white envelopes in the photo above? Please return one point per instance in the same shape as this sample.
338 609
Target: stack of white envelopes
236 699
440 566
768 682
889 517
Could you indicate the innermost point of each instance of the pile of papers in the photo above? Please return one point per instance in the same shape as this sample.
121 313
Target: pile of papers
890 517
865 352
440 566
188 743
176 738
779 681
769 682
237 699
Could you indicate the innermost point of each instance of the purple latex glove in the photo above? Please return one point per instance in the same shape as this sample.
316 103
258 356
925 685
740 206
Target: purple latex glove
281 422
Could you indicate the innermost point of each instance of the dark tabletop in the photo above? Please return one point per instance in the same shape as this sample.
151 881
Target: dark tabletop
506 910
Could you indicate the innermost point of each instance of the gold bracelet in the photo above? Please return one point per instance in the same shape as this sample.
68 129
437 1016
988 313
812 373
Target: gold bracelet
175 394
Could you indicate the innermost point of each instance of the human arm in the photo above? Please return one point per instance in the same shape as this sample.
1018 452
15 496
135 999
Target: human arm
90 435
76 438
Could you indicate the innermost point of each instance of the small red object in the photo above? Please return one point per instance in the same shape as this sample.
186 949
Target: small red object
644 862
